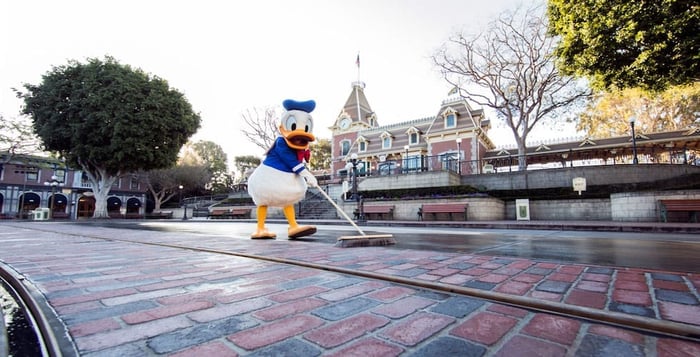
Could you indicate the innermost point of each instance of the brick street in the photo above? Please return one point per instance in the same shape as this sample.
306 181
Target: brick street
145 293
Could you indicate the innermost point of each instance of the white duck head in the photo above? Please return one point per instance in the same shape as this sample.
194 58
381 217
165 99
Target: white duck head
296 123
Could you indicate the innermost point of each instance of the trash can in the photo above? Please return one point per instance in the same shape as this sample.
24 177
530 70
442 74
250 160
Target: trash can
522 209
41 214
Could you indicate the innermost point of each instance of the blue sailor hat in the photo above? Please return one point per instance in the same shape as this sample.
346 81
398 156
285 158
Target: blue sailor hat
305 106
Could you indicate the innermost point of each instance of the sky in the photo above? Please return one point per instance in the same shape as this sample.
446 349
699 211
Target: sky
231 56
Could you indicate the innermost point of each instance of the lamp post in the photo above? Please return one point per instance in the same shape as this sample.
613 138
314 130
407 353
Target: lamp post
54 182
352 165
634 141
459 155
183 204
405 159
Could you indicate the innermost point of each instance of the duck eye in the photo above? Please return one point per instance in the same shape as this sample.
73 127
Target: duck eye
309 125
291 123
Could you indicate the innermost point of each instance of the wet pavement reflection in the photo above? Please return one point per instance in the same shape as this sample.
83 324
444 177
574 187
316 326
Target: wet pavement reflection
673 252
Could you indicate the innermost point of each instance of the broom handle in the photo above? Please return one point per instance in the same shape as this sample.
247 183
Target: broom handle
340 210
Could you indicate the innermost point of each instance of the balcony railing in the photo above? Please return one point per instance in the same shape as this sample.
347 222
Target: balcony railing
507 164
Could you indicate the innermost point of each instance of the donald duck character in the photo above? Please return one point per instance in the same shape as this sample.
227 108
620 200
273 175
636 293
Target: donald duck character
282 178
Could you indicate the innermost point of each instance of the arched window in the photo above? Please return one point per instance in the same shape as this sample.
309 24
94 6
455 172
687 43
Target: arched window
344 147
114 204
133 205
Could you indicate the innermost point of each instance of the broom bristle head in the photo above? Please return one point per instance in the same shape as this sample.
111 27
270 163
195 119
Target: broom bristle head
365 241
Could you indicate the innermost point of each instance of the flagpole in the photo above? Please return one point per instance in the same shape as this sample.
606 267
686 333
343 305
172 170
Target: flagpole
357 89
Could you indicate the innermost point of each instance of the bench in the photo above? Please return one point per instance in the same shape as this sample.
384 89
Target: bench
229 212
449 208
160 215
679 205
377 210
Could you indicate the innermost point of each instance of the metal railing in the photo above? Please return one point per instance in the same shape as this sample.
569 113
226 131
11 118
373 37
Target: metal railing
509 164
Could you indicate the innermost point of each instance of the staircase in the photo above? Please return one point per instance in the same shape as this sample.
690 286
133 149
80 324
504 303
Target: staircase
315 206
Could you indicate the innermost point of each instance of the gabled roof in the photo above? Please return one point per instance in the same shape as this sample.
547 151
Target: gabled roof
467 118
357 105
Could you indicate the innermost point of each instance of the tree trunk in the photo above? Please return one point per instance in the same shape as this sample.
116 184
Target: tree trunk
100 203
101 190
522 157
101 183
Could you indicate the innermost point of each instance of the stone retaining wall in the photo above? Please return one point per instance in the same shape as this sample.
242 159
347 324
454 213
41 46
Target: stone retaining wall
643 206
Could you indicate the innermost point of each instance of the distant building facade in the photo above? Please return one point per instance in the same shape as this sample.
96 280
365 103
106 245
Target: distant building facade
31 182
456 134
456 139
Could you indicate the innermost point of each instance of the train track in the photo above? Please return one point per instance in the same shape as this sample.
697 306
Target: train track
30 327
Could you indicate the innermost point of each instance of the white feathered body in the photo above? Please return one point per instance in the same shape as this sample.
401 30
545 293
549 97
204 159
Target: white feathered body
271 187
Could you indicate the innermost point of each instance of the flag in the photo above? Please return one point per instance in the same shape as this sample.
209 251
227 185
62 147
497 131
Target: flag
357 61
454 90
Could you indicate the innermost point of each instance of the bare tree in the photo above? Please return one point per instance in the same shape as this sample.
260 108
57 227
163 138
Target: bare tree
164 184
511 68
17 137
261 126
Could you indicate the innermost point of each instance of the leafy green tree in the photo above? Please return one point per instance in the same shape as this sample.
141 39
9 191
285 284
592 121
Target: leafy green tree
109 119
511 69
215 159
244 166
608 115
623 44
320 155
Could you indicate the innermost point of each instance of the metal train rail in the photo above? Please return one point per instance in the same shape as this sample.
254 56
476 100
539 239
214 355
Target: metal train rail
30 327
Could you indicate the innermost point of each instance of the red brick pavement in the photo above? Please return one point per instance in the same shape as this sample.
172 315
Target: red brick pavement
120 299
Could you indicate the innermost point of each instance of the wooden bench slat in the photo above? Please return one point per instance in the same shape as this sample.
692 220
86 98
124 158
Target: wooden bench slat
230 212
378 209
450 208
679 205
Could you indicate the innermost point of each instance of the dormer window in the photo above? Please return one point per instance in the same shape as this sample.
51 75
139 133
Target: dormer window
413 135
372 119
362 144
386 143
450 121
386 140
450 116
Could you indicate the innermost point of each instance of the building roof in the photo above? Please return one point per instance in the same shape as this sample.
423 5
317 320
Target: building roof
357 106
588 148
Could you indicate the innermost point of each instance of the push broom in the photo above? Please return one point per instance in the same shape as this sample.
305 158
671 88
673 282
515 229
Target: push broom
363 240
